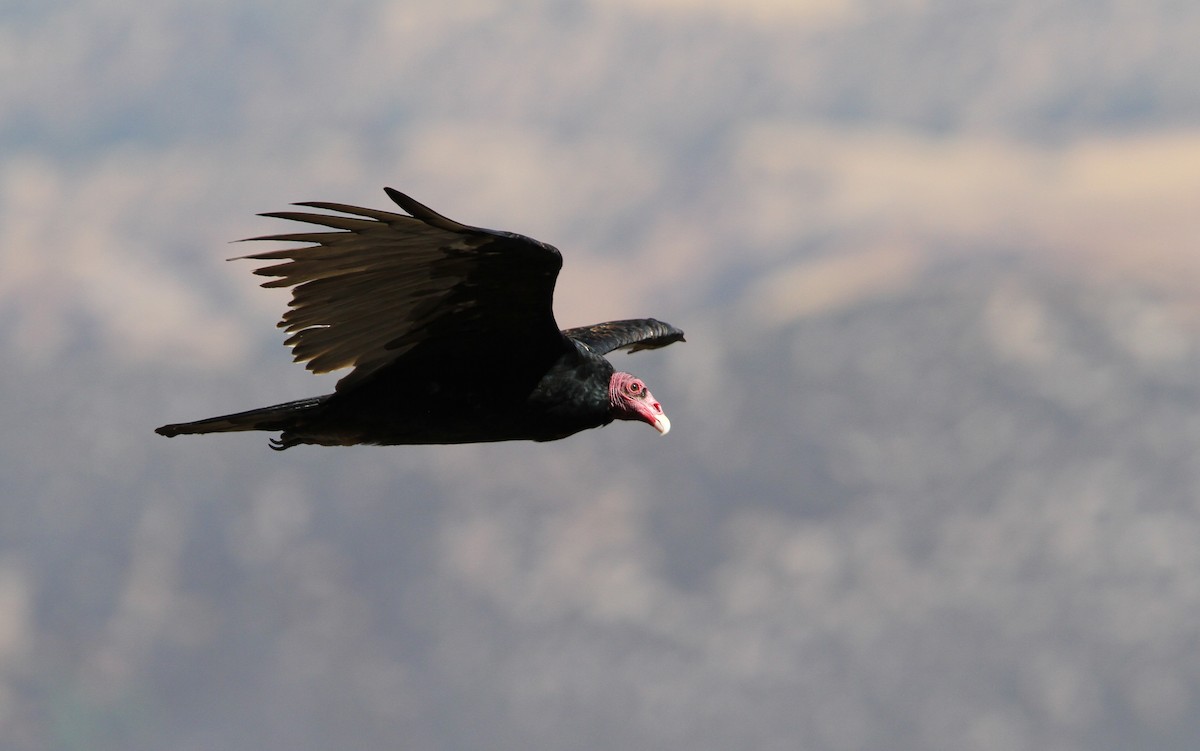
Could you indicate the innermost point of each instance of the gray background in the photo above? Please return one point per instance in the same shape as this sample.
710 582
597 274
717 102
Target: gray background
932 482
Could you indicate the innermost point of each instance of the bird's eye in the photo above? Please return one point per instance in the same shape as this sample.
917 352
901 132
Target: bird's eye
635 387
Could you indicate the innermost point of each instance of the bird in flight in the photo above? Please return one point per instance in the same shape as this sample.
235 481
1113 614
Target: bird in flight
449 331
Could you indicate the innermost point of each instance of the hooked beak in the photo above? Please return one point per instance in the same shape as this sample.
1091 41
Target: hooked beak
654 414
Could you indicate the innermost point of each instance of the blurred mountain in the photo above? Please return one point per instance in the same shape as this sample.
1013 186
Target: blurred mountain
956 512
931 483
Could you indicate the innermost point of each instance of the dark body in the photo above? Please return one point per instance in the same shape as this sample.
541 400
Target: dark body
415 406
451 334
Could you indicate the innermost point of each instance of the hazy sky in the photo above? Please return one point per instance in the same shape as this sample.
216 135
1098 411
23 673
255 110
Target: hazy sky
747 169
701 141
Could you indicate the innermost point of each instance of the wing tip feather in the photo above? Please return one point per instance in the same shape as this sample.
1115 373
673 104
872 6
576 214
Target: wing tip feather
425 214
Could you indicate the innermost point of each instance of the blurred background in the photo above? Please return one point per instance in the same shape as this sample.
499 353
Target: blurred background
932 482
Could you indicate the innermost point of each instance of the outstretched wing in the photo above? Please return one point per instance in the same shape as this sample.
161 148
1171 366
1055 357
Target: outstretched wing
382 283
633 334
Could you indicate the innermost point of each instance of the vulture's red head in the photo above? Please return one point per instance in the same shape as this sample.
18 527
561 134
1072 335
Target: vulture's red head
631 400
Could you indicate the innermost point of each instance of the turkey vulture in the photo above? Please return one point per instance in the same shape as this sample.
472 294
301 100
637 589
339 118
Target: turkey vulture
450 333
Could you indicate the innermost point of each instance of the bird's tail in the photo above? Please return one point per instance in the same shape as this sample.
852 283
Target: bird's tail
278 417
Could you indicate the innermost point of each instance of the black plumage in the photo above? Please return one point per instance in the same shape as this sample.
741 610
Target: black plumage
449 331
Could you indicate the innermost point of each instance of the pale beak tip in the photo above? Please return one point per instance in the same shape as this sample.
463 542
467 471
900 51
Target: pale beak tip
662 424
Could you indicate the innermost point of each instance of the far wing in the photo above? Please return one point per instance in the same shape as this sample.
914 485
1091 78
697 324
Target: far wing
633 335
382 283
